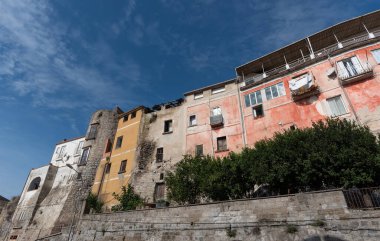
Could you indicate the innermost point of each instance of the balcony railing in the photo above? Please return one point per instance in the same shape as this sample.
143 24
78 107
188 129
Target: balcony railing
327 51
354 74
216 120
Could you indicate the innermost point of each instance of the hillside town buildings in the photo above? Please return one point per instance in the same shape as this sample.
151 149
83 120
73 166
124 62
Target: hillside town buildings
333 73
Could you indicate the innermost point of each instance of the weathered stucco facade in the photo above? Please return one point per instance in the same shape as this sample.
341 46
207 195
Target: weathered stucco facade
161 146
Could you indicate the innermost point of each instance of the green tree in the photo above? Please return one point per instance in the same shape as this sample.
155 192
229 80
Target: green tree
93 203
128 199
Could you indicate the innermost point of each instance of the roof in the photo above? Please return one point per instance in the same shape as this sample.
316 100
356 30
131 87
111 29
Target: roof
319 41
141 107
3 199
68 140
211 87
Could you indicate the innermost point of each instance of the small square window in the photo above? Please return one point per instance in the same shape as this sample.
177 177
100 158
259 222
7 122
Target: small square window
199 150
336 106
125 118
107 168
168 126
218 90
123 166
192 120
198 95
258 111
160 154
119 141
133 115
221 143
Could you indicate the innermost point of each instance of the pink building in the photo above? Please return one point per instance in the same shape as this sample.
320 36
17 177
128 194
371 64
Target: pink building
333 73
213 120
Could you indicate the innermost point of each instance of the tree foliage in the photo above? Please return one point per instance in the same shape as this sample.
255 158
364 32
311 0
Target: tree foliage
332 153
128 199
93 203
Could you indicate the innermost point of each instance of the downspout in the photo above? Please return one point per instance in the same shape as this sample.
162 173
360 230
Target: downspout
241 110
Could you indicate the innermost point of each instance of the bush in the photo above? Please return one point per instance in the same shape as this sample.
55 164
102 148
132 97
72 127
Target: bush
332 153
128 199
93 203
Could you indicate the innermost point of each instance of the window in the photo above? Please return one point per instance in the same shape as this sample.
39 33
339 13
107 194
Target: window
274 91
336 106
92 131
253 98
161 176
376 55
193 120
168 126
258 111
160 154
221 143
217 90
107 168
34 184
108 146
85 154
216 111
159 191
118 142
57 150
198 150
79 148
13 237
198 95
125 118
133 115
349 67
123 166
61 152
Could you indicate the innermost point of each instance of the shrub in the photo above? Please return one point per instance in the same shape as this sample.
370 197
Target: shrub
93 203
128 199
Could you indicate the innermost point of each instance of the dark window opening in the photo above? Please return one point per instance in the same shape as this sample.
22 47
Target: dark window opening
84 157
13 237
92 131
119 141
258 111
221 143
168 126
34 184
293 127
79 176
161 176
133 115
199 150
107 168
125 118
108 146
160 154
123 166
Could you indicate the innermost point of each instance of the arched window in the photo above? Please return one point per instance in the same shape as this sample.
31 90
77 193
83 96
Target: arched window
34 184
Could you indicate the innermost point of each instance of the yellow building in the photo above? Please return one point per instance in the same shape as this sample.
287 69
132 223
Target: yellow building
119 159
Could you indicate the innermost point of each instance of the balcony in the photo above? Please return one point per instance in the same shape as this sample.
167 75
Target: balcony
216 121
303 87
354 74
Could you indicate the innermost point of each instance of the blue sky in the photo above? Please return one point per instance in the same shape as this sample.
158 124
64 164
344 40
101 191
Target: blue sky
62 60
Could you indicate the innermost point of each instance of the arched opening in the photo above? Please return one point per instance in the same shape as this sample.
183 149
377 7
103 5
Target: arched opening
34 184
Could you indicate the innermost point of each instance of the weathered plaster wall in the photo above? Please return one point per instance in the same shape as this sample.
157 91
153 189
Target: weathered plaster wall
202 133
280 113
262 219
147 176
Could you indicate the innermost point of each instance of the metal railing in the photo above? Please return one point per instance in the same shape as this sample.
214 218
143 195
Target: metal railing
362 198
353 71
318 54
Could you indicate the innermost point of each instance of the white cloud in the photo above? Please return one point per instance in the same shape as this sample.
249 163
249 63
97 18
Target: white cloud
35 61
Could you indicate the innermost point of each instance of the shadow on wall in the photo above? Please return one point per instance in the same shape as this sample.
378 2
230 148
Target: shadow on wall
325 238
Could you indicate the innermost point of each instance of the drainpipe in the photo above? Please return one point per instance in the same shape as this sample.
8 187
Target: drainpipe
241 110
312 56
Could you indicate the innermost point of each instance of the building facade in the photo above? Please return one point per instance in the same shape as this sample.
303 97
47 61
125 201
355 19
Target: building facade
119 157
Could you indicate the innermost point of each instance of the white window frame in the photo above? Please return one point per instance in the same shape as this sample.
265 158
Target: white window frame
255 96
347 71
60 154
331 114
218 90
198 95
279 94
78 151
376 55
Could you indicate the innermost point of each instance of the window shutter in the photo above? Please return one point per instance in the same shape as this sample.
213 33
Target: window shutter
357 64
342 71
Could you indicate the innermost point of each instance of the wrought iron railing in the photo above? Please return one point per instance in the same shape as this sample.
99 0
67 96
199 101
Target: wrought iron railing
362 198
